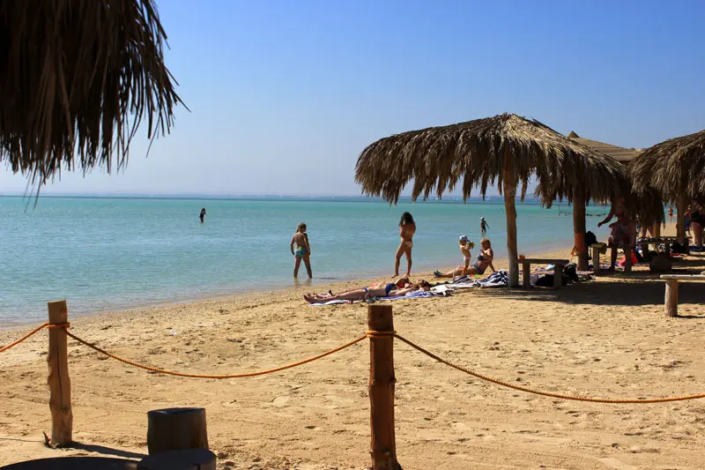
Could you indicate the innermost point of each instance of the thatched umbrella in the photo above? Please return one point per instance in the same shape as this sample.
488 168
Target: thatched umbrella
646 207
676 169
505 149
77 77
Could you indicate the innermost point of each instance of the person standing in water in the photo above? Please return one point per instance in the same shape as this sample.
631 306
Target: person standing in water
484 226
203 215
303 250
407 229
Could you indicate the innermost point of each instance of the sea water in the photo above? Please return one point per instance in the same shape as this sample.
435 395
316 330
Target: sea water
106 254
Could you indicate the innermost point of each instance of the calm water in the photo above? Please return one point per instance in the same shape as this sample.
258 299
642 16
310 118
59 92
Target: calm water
107 254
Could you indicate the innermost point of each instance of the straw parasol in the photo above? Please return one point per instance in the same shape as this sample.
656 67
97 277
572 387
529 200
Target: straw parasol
77 77
676 169
506 149
647 207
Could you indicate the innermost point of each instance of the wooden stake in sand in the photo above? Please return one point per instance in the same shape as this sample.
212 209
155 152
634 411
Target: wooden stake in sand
382 380
59 382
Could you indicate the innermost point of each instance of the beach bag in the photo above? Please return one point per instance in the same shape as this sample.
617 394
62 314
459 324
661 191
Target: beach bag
660 264
571 272
678 248
623 261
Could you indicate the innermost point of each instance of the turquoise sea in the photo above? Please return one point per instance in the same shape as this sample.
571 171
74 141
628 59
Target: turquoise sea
117 253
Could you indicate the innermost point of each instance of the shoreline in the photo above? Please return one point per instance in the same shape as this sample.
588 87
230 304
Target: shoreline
322 284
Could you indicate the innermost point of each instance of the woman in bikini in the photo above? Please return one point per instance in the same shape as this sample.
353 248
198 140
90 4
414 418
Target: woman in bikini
390 289
484 259
303 250
407 229
623 231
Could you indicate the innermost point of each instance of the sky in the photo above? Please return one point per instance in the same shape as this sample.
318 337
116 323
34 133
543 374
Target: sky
284 95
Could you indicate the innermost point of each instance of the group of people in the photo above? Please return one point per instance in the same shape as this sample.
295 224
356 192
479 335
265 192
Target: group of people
301 250
623 232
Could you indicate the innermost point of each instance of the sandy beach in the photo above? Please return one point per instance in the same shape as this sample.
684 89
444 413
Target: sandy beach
608 338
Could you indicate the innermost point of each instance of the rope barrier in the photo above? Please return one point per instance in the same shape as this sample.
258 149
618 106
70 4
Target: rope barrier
368 334
25 337
538 392
230 376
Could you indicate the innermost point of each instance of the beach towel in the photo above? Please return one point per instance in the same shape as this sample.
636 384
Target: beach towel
331 302
498 279
417 294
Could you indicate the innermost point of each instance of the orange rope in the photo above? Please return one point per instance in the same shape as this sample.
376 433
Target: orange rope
230 376
25 337
546 394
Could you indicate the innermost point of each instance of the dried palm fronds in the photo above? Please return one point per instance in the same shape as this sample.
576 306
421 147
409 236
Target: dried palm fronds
77 77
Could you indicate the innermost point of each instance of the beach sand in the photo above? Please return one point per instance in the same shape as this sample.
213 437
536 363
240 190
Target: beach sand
608 338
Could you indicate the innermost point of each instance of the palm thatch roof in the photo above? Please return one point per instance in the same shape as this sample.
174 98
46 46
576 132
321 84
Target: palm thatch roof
621 154
675 168
646 206
474 154
77 77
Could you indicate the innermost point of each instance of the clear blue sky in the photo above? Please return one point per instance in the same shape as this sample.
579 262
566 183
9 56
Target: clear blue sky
285 94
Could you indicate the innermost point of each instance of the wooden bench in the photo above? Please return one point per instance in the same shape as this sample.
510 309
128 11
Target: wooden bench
671 300
557 271
645 242
596 257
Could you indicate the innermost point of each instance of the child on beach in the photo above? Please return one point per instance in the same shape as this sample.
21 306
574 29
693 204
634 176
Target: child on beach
484 259
407 229
303 250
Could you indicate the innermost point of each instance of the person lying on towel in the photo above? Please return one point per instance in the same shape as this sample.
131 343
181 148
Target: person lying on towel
388 290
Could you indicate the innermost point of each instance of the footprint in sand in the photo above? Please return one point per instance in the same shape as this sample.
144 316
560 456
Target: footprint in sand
280 402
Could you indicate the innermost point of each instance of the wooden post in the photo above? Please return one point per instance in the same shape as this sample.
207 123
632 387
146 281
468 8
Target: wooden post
382 380
579 228
656 231
526 274
557 276
596 260
681 203
671 304
59 382
510 192
627 259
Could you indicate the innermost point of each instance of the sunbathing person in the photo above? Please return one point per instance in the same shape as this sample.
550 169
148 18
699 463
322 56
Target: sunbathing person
484 261
388 290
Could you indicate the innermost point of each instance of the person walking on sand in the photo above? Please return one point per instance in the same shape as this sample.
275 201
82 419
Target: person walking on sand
203 215
670 213
303 250
484 226
407 229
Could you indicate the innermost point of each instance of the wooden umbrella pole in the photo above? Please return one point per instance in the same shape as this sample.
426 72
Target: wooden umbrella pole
579 228
510 192
59 382
382 380
681 203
